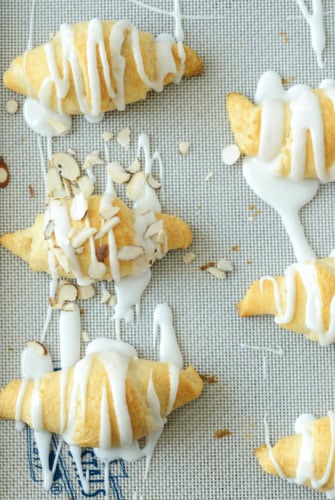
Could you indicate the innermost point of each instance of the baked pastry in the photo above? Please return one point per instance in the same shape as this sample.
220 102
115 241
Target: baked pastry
307 458
103 387
303 300
98 66
117 243
293 130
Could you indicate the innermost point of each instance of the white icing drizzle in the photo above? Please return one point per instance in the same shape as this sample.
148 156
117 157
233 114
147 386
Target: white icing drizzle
265 350
316 25
269 448
69 330
169 349
313 309
43 121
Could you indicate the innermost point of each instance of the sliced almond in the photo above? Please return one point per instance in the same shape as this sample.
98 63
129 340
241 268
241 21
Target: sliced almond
92 159
101 252
107 136
86 292
49 229
189 257
58 126
68 306
96 270
105 296
135 166
107 226
85 185
117 173
81 236
12 106
67 165
135 187
85 336
225 265
153 182
154 228
159 237
79 250
68 188
37 347
130 252
79 207
62 259
112 301
71 151
108 211
230 154
54 183
216 272
67 292
4 173
184 147
123 138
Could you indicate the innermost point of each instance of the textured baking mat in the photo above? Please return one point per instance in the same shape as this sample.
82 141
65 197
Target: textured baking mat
238 40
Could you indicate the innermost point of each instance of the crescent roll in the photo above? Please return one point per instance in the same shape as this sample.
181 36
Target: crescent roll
303 300
295 132
89 248
306 458
102 387
97 66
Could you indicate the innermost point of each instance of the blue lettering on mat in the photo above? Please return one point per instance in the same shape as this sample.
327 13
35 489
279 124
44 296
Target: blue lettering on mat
63 483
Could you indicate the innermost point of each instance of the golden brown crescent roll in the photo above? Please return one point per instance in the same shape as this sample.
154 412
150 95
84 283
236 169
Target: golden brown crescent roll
307 457
302 300
284 128
32 244
98 66
125 394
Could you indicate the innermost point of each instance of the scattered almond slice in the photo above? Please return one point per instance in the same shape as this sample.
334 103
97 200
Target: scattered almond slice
54 183
62 259
112 301
12 106
108 211
86 292
67 292
49 229
154 228
79 207
134 167
85 336
92 159
58 126
79 238
67 165
230 154
71 151
216 272
37 347
105 296
96 270
85 185
117 173
4 173
225 265
130 252
135 187
189 257
123 138
184 147
107 136
107 227
153 182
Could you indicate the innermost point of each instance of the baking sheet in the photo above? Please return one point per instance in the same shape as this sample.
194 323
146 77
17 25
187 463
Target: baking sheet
237 46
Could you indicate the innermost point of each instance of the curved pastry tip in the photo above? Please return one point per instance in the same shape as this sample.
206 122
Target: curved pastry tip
245 121
179 233
19 243
193 63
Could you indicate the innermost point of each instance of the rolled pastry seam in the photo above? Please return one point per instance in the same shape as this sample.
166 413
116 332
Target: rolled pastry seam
31 246
124 380
302 300
300 149
97 66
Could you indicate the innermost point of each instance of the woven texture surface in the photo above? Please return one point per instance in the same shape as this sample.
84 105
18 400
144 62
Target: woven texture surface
239 43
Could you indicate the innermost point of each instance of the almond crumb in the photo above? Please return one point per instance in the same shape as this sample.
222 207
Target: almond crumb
204 267
31 191
12 106
209 176
235 248
251 207
249 261
107 136
284 35
105 296
123 138
225 265
85 336
112 301
210 379
189 257
184 147
221 433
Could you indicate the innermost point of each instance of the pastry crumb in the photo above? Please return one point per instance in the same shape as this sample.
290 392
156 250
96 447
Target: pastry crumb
247 436
230 154
284 35
107 136
221 433
210 379
123 137
11 348
12 106
184 147
198 206
189 257
251 207
204 267
85 336
31 191
249 261
235 248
